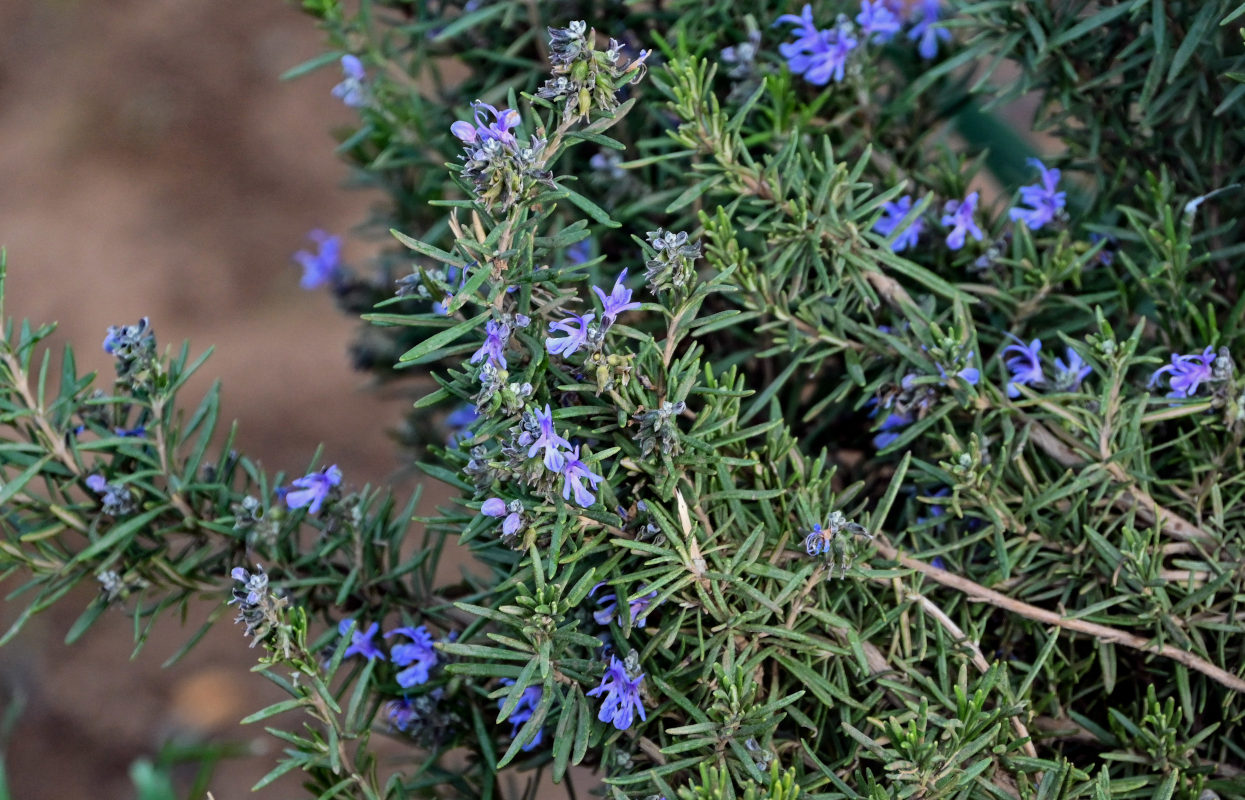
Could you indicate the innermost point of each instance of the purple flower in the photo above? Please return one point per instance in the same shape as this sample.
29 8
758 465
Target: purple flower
523 711
622 696
638 608
497 335
576 337
818 55
323 266
1068 376
1045 203
1025 366
504 121
352 91
314 488
927 13
616 302
1187 372
496 507
360 641
878 21
549 440
574 472
418 657
959 216
888 224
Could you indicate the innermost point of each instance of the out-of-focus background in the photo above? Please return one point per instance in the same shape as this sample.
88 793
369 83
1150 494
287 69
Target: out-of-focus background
152 164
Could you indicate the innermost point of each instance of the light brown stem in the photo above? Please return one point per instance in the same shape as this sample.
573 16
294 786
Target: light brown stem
978 593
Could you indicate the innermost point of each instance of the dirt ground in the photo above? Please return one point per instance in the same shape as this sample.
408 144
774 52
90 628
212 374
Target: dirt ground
153 165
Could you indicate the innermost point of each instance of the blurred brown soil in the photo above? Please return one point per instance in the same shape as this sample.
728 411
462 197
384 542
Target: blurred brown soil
154 165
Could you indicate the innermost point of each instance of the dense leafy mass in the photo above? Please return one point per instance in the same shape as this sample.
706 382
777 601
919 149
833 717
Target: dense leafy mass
813 434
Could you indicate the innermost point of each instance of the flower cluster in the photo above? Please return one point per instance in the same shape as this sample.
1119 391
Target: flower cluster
821 55
415 658
1025 366
620 694
835 542
671 267
258 607
502 168
585 78
115 500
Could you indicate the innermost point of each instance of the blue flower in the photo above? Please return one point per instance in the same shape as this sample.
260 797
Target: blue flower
128 342
548 439
574 472
497 335
959 216
418 657
622 696
1068 376
970 375
616 302
637 609
818 540
360 641
460 421
576 338
138 432
314 488
579 252
927 13
876 20
818 55
352 91
1187 372
888 430
504 121
523 711
324 265
1045 203
895 213
1025 366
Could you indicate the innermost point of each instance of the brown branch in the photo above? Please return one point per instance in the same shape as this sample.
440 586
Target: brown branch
1133 497
978 593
